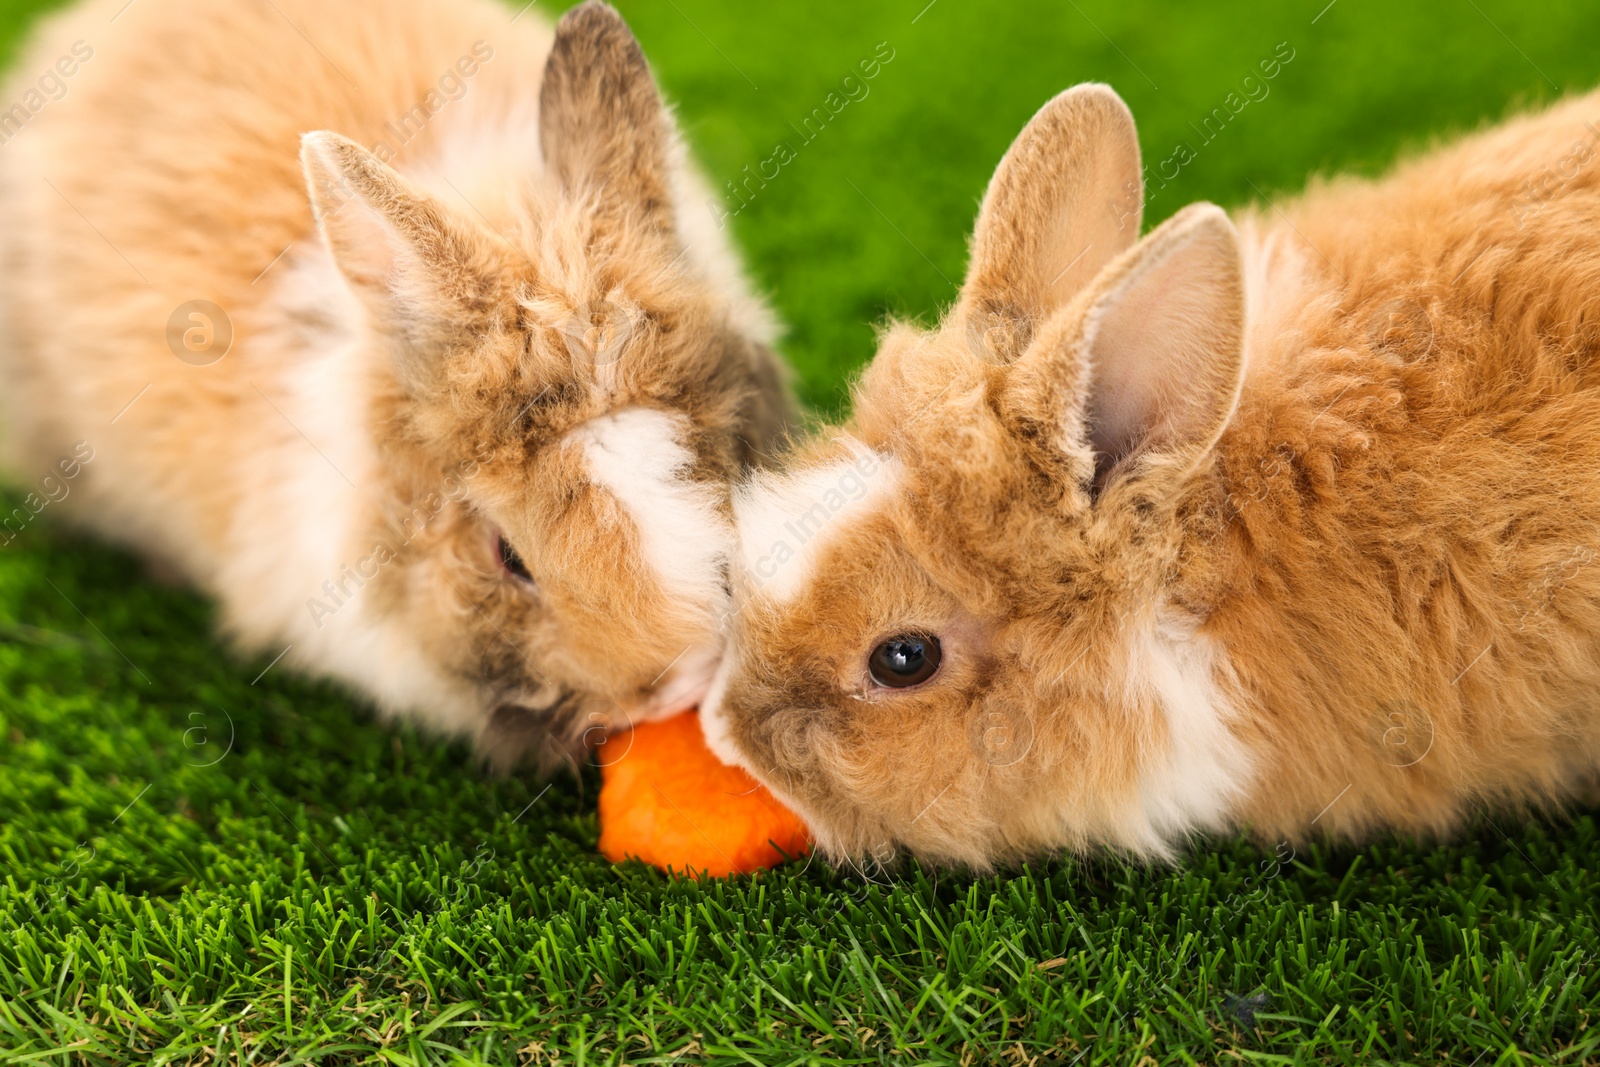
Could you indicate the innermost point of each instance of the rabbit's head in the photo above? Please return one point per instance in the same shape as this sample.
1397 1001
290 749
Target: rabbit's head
955 634
566 389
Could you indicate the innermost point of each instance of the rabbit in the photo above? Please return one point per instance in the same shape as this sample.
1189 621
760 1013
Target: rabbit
406 329
1282 523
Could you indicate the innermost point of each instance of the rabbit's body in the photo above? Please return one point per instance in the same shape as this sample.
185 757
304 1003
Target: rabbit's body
1404 577
334 477
1294 526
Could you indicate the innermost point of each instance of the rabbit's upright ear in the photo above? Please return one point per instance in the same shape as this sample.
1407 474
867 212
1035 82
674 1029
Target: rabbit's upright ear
1066 200
430 280
602 125
1148 361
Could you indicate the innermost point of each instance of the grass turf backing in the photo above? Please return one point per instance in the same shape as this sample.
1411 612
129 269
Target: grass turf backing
208 863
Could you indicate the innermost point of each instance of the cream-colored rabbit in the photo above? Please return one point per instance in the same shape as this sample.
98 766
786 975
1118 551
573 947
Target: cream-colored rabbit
467 443
1288 524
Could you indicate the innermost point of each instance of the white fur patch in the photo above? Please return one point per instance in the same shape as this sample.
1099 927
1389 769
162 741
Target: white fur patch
637 455
713 723
708 244
1279 286
684 685
785 520
479 152
304 525
1205 768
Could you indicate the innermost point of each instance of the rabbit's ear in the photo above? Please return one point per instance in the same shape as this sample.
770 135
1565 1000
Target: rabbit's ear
1149 359
1065 201
602 125
428 278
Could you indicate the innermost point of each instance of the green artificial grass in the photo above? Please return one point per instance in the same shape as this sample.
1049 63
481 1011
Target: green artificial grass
207 860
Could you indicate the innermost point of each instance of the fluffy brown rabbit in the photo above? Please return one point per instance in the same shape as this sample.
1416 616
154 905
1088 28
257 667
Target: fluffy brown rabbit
1286 523
458 426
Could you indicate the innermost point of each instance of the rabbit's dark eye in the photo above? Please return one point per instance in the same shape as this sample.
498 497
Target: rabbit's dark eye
513 562
904 660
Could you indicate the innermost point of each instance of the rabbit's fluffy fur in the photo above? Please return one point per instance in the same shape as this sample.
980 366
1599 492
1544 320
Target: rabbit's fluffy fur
1289 522
528 326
